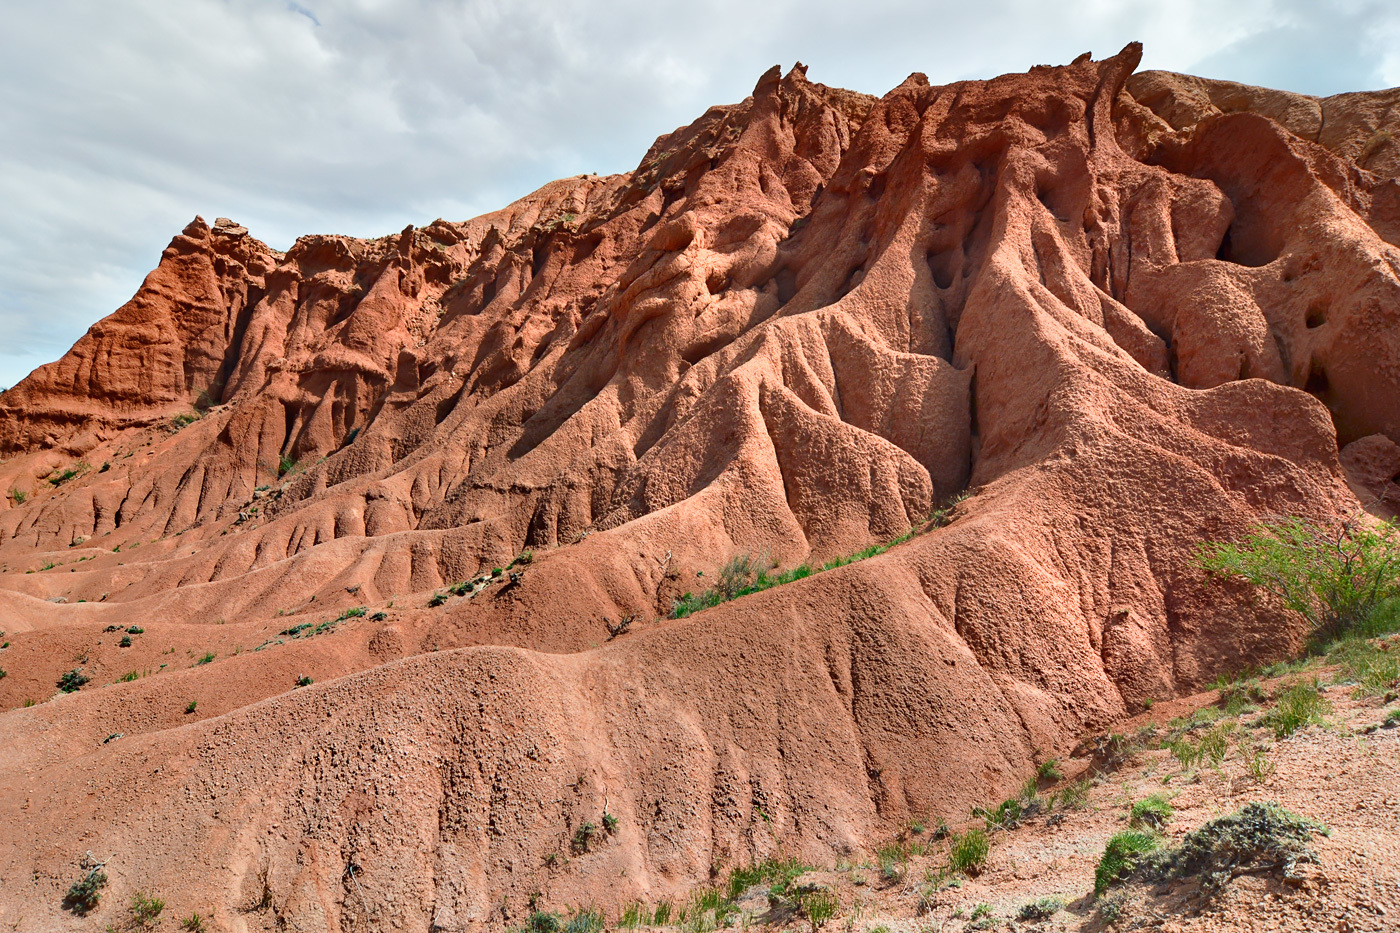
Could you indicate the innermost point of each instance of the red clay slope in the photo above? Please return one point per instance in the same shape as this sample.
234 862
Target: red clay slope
802 322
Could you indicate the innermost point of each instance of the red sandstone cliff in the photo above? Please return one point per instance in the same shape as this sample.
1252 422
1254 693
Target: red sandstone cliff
1127 312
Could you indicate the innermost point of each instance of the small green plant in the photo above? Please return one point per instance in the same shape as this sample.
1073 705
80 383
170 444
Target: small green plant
194 923
72 681
86 893
1298 705
610 823
541 921
1335 579
135 630
1392 719
1121 856
1041 909
818 907
379 617
285 465
1074 796
128 677
586 920
355 612
304 681
967 852
19 496
981 910
1152 813
145 910
1186 752
125 642
1214 745
193 705
437 599
583 839
205 659
1049 770
634 915
661 916
1256 763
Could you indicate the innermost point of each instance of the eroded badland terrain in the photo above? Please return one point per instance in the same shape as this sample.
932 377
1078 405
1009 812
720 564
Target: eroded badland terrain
364 586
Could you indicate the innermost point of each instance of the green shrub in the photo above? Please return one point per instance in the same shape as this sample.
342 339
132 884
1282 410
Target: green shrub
207 658
1049 770
1337 580
125 642
194 704
128 677
1297 706
778 873
1374 669
1122 854
352 613
73 680
967 852
1073 796
1259 837
86 893
1152 813
19 496
194 923
304 681
662 915
1042 909
1392 719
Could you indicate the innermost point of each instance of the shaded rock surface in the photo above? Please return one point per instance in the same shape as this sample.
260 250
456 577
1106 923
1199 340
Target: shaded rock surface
1127 312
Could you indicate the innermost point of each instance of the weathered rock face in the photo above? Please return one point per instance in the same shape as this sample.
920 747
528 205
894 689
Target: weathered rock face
1127 313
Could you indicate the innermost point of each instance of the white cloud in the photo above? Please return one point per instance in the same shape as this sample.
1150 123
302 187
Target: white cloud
119 122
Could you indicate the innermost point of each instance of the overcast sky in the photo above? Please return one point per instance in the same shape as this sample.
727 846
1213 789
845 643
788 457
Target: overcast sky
119 121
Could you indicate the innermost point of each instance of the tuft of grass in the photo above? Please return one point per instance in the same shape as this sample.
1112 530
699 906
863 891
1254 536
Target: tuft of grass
355 612
661 916
1121 855
128 677
778 873
541 921
586 920
1374 669
1049 770
19 496
1256 763
1073 796
194 923
1152 813
818 907
208 657
967 852
1299 705
633 916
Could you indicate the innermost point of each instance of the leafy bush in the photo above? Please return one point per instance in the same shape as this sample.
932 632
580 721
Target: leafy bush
135 630
352 613
967 852
1121 856
1337 580
1042 909
1259 837
86 893
125 642
1049 770
73 680
1297 706
1152 813
583 838
304 681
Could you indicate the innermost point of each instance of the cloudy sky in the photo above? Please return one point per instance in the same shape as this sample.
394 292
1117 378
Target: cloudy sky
121 121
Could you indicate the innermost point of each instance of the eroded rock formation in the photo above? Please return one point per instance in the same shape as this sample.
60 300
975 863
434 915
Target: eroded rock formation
1126 313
